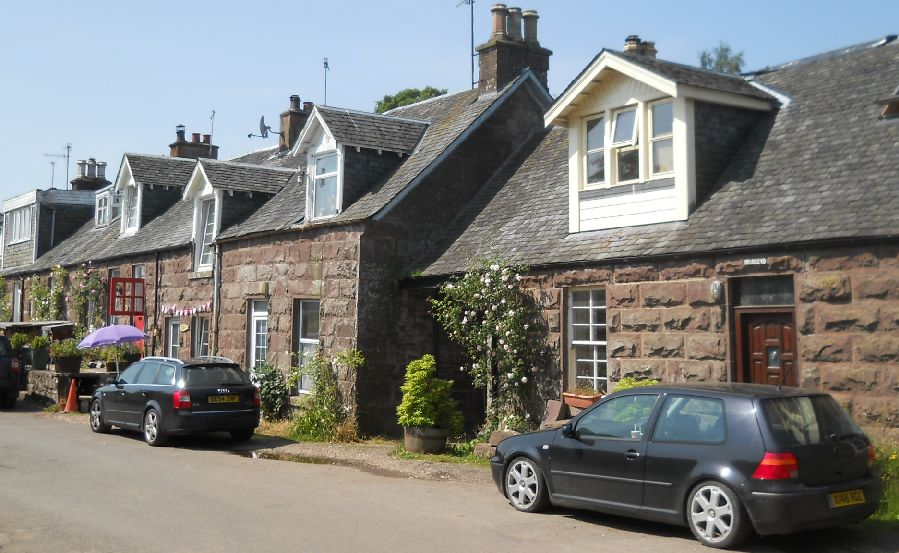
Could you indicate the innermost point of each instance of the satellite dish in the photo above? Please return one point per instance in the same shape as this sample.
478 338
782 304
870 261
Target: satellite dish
263 129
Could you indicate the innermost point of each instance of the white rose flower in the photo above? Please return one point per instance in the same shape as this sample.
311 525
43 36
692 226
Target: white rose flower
494 267
524 380
510 376
526 326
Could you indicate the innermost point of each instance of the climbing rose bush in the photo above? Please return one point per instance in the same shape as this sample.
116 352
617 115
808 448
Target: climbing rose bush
488 313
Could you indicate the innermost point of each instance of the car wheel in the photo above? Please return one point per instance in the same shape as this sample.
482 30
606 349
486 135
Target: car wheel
242 435
9 401
153 433
525 486
96 415
716 515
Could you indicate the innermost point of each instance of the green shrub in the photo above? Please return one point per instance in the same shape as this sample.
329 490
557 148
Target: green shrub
65 348
323 416
39 342
273 391
19 340
426 399
629 382
888 464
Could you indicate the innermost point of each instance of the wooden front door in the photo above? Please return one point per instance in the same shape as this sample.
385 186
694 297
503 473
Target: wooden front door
769 344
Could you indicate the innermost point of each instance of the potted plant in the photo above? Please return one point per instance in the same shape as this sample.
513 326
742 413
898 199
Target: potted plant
582 397
40 354
19 342
66 355
427 412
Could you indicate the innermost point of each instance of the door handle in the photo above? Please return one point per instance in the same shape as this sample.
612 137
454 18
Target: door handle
632 454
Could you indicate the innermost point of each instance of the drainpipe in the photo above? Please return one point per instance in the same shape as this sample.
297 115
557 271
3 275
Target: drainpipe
216 297
155 305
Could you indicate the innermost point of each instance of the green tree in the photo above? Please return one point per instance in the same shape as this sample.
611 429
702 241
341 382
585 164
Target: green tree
721 59
407 96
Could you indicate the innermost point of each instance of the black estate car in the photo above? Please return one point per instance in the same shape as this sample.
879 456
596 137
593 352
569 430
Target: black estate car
10 375
724 459
162 397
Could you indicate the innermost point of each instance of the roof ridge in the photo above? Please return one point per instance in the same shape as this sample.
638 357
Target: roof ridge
382 115
157 156
429 100
248 165
826 55
737 76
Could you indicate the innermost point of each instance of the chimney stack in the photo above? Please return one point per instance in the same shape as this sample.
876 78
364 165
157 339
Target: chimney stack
91 175
634 45
195 149
507 53
292 122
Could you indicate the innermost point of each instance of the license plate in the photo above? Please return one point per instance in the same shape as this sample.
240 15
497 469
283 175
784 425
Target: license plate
224 399
845 499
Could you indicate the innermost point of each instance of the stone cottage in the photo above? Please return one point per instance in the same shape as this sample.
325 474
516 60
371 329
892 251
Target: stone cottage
693 226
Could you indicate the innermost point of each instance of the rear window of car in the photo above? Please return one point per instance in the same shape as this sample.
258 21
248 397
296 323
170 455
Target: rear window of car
214 375
807 419
4 347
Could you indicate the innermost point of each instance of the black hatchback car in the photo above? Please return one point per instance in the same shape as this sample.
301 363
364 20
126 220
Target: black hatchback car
723 459
161 397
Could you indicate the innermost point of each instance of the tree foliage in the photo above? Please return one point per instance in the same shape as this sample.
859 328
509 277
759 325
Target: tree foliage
426 399
407 96
722 59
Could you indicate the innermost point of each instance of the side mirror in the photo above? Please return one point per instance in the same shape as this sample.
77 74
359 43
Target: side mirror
568 431
110 380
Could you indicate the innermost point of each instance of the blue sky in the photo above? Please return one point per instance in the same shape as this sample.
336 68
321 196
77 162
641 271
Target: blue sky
115 77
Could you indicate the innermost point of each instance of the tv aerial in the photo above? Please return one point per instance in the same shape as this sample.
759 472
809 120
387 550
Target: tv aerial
264 130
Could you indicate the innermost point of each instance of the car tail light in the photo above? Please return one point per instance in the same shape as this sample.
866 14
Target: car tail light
181 399
14 367
257 397
777 466
872 456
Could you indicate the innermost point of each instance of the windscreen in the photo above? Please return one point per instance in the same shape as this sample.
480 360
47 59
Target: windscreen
807 420
214 375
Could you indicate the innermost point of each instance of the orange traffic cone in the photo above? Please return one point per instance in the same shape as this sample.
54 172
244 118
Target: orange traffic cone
72 400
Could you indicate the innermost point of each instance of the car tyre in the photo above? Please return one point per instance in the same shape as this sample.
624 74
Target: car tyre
716 515
9 401
242 434
96 418
153 433
525 486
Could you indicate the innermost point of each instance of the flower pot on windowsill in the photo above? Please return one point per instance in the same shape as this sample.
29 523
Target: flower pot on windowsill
424 439
580 400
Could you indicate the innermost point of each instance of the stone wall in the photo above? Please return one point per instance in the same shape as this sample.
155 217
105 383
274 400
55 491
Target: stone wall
663 321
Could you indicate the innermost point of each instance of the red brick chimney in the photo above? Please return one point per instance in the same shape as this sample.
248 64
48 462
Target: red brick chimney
292 121
508 52
195 149
634 45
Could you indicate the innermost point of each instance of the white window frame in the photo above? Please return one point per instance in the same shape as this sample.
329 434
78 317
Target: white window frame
258 316
131 211
630 145
19 225
597 318
17 301
102 210
652 138
314 178
207 230
305 345
586 165
200 336
173 337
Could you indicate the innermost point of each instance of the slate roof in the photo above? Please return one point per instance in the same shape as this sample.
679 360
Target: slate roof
372 130
244 177
823 167
160 170
271 157
285 210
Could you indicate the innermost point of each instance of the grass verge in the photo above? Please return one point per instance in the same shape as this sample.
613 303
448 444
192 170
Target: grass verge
455 453
888 464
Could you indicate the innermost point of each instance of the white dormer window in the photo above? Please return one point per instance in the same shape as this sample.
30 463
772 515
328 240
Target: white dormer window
19 222
205 234
132 209
324 186
596 150
661 139
108 207
625 146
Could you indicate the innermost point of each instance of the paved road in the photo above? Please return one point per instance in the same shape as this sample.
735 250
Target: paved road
64 489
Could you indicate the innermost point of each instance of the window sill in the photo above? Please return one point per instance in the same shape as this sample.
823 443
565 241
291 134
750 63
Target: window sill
19 241
203 272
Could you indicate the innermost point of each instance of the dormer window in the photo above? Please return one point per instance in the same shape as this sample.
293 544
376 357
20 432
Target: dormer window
108 207
19 225
205 234
661 119
324 186
596 150
132 208
625 146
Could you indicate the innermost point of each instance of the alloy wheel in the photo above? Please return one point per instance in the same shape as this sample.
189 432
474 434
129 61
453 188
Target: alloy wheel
712 514
523 484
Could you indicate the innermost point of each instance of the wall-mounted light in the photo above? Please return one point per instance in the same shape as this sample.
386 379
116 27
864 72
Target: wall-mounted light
716 289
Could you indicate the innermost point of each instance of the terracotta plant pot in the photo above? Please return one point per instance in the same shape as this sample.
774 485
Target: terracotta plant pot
423 439
580 401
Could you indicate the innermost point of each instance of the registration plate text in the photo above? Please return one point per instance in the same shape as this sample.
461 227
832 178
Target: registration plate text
224 399
844 499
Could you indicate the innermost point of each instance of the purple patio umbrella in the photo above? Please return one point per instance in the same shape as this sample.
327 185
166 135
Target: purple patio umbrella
112 335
